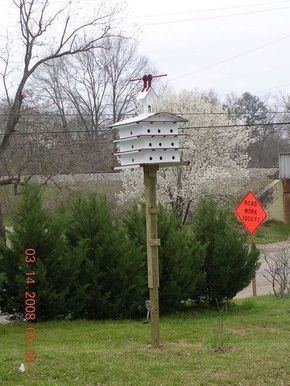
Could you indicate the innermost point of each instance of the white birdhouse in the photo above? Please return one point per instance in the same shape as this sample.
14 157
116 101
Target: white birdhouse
148 138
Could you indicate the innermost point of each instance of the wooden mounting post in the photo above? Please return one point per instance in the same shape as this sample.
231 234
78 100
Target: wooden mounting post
254 281
150 179
254 286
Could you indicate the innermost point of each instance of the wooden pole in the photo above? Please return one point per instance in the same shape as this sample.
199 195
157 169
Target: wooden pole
254 282
150 178
254 286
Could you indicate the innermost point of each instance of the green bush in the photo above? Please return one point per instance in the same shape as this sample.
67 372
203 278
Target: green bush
92 266
86 266
110 281
34 227
229 263
180 255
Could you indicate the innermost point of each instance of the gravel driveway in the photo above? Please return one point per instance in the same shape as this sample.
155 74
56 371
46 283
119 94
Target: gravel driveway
263 286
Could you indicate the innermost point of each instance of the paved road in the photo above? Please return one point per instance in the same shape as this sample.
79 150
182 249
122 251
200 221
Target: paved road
263 286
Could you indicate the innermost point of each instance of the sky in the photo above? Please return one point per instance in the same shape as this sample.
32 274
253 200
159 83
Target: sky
226 45
194 41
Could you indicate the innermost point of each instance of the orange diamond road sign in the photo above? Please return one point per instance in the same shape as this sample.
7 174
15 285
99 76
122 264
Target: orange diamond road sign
251 212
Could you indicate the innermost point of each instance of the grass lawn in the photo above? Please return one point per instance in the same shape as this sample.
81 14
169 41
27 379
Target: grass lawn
256 338
271 232
52 195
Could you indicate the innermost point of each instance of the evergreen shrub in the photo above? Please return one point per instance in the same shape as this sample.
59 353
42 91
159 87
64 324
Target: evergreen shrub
91 266
86 266
110 282
34 227
180 255
230 263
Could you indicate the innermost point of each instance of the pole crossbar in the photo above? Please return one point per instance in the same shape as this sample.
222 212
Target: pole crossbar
147 80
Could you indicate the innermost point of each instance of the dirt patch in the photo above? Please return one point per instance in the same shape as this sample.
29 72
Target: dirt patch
224 349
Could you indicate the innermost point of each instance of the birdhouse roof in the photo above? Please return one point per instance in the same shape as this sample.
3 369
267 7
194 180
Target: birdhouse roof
150 117
143 94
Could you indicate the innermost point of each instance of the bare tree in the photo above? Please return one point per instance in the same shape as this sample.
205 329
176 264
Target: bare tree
77 87
121 62
49 87
278 271
92 89
285 102
35 23
96 85
86 87
5 59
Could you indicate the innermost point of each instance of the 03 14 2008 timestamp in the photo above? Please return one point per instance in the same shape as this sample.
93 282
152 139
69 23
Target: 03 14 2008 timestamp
30 304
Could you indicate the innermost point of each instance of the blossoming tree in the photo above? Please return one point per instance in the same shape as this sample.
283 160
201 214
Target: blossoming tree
218 156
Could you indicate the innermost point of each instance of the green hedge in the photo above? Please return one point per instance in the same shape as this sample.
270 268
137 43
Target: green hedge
89 265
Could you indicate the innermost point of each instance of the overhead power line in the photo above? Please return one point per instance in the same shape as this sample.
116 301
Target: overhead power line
12 147
58 132
55 114
35 142
181 128
237 125
212 17
227 113
211 9
233 57
6 3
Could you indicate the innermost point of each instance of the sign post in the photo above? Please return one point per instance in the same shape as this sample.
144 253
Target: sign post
252 214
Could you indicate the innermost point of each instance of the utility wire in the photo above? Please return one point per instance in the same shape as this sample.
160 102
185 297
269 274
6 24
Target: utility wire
104 149
225 113
58 132
228 113
55 114
67 114
212 17
181 128
233 57
211 9
234 126
32 144
200 10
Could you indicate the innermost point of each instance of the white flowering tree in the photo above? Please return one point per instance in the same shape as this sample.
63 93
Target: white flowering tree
217 155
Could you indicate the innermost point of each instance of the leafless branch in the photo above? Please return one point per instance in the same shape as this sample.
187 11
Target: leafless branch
33 25
278 271
5 58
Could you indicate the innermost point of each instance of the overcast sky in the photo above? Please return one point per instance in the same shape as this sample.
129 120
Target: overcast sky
185 37
195 42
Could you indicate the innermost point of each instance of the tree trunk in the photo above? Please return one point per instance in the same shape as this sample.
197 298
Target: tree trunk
2 227
14 114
